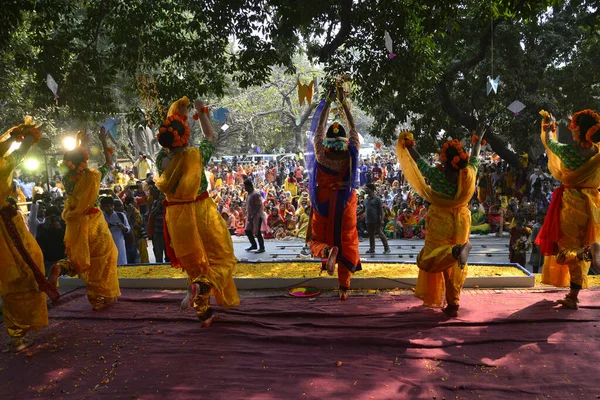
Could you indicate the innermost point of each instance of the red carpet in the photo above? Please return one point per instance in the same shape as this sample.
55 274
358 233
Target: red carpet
504 346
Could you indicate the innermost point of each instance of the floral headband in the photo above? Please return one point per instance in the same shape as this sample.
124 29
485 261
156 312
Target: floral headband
462 155
574 126
75 172
180 139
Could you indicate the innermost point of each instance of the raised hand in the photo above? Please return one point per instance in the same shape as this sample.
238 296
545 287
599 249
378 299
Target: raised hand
102 135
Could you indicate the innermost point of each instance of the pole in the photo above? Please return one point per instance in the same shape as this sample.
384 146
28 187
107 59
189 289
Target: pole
46 169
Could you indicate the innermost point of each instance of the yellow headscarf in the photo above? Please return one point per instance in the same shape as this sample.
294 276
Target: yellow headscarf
184 101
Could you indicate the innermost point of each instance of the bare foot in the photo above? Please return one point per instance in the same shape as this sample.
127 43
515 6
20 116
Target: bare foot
569 302
54 274
451 311
206 323
595 250
188 301
463 255
99 307
331 260
343 295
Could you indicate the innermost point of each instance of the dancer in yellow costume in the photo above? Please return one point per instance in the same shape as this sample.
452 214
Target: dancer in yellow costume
443 260
199 241
22 280
571 230
91 251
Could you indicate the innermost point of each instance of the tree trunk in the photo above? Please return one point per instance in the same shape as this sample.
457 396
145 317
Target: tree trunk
500 148
299 139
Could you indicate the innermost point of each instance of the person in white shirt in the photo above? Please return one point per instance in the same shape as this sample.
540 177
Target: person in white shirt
36 215
117 222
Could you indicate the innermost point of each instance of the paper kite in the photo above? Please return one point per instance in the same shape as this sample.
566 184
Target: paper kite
52 85
220 115
110 126
516 107
224 127
389 45
492 84
305 92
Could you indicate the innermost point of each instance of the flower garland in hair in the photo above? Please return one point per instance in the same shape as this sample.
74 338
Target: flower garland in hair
180 139
574 127
75 172
462 155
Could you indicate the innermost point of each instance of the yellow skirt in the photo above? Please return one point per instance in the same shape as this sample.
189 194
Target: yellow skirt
566 267
100 277
23 305
219 249
203 246
439 273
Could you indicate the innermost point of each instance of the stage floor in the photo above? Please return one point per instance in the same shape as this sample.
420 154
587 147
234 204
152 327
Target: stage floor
512 344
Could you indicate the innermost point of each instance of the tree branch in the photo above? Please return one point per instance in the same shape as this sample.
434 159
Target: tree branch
345 29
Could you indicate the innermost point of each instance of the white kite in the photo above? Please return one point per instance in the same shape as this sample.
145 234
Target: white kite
389 45
492 84
516 107
52 85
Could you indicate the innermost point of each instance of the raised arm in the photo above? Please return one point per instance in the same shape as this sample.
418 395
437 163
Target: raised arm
477 145
325 113
207 129
102 135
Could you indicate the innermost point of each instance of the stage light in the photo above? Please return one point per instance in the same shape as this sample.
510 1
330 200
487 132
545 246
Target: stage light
69 143
31 164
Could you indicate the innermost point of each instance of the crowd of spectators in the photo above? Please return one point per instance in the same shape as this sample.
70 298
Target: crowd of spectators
510 202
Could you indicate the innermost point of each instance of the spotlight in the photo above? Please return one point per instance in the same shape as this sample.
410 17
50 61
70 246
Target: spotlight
69 143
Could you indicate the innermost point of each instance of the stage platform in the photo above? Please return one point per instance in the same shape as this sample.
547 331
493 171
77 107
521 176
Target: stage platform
506 344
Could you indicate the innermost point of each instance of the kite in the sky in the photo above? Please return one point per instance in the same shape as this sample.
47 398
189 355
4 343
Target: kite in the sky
110 126
389 45
305 92
52 85
516 107
220 115
492 84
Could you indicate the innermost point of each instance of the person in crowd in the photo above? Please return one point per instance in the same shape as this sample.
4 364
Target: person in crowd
118 225
156 227
571 231
408 224
333 197
255 218
374 219
537 259
519 243
36 214
479 224
291 184
23 285
134 218
91 252
443 260
50 238
142 166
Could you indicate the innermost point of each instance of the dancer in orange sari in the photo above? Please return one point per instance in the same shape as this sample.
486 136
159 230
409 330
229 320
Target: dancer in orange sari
198 239
443 260
333 198
91 251
22 281
571 231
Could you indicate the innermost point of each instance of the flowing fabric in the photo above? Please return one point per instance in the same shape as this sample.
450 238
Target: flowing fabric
447 223
23 304
193 225
573 220
91 251
311 157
